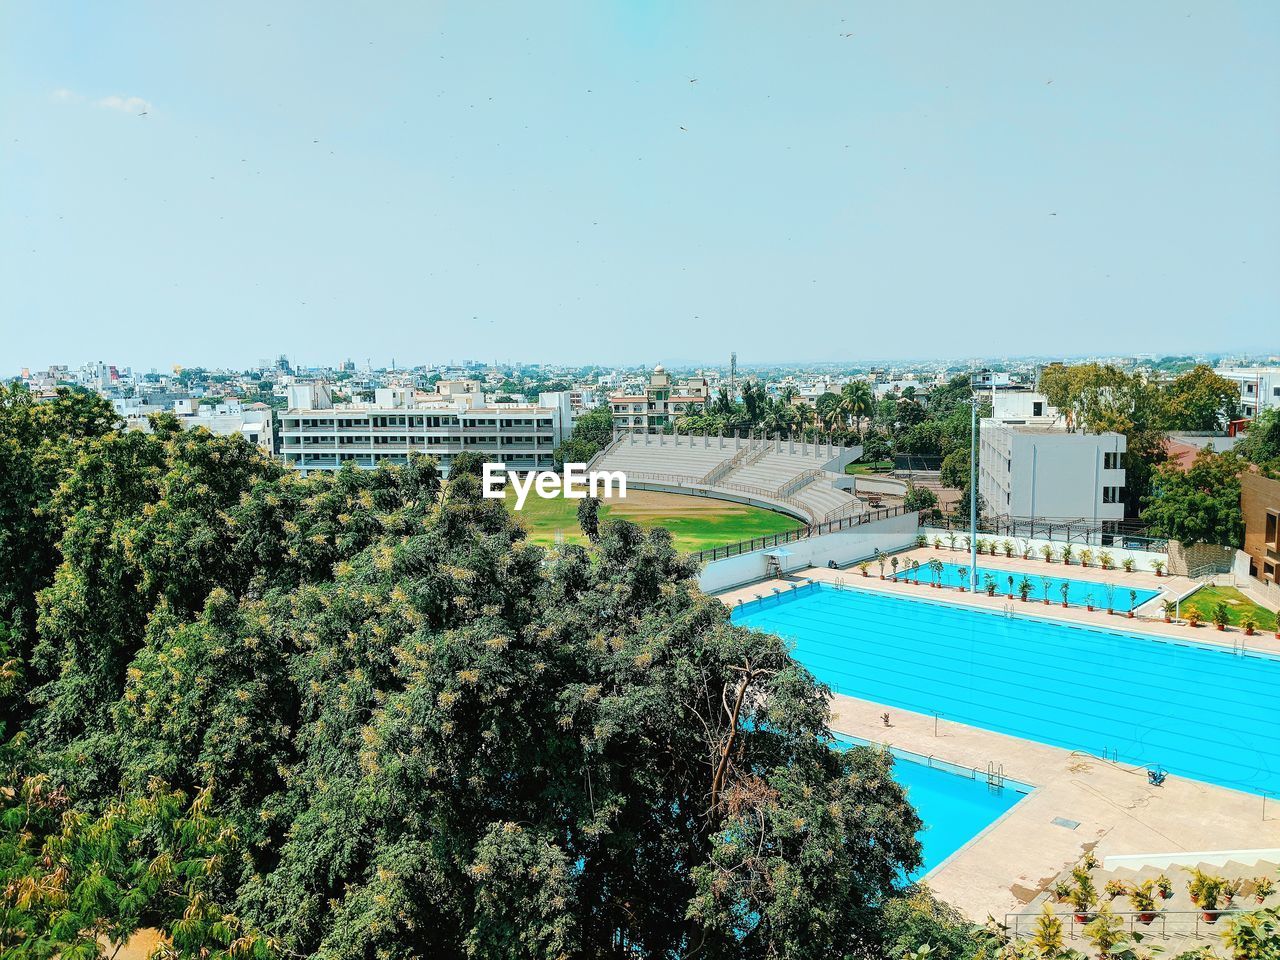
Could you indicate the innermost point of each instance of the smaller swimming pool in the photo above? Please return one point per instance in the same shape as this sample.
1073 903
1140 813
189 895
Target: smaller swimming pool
954 805
1079 592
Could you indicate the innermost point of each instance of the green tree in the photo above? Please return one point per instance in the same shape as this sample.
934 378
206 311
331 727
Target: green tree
1261 442
857 402
592 432
589 518
1200 504
1199 400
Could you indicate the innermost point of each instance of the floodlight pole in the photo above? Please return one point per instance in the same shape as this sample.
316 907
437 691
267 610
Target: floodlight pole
973 494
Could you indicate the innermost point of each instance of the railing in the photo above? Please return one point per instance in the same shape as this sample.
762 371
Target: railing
849 509
791 536
799 482
1126 533
1164 924
721 470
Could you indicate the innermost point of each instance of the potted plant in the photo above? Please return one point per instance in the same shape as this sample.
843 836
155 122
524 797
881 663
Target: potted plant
1230 890
951 541
989 584
1111 599
1083 895
863 567
1114 888
1170 607
935 570
937 543
1127 564
1165 886
1025 549
1061 891
1133 600
1086 557
1158 566
1007 547
1193 616
1142 897
1104 558
1024 588
1221 616
1088 601
1067 551
1263 887
893 562
963 574
1064 588
921 540
880 562
1045 584
1009 595
915 572
1249 625
982 545
1206 893
1047 552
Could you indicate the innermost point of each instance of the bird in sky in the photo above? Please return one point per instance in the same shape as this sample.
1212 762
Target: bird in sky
685 129
694 80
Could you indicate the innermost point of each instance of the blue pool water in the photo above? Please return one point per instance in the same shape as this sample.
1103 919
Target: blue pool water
1078 591
1195 710
954 808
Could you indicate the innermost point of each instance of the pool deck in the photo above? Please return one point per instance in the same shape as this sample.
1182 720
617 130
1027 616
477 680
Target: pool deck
1116 810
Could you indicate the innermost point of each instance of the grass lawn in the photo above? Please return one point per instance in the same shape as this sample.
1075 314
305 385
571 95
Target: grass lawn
695 523
878 466
1239 607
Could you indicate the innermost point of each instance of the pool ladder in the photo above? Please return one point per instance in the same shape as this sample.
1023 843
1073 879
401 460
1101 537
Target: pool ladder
995 774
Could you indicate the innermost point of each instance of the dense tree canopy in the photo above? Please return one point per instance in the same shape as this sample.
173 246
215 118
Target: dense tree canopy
357 715
1200 504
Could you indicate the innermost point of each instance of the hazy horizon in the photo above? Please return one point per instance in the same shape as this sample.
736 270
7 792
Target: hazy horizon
619 183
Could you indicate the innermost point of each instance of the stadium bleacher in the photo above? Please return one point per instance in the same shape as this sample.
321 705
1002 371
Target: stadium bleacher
797 477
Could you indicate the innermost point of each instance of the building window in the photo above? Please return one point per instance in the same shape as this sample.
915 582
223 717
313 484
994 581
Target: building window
1112 461
1273 521
1113 494
1037 409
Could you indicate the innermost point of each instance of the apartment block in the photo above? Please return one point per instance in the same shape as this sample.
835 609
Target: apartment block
318 434
660 405
1259 387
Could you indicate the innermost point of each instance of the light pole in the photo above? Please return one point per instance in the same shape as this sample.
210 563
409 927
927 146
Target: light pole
973 489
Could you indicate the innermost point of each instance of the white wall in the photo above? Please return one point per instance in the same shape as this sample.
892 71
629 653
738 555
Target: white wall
1141 558
846 546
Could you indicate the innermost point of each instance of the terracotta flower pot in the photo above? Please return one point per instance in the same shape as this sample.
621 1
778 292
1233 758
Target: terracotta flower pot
1248 631
1168 619
1209 916
1221 626
1090 607
1130 614
1146 917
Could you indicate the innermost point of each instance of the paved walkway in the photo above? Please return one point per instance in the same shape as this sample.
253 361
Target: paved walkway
1114 809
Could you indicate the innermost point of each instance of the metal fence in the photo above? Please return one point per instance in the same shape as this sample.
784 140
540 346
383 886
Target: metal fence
791 536
1163 925
1118 533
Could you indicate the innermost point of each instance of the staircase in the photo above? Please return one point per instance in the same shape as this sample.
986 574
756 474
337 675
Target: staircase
1179 924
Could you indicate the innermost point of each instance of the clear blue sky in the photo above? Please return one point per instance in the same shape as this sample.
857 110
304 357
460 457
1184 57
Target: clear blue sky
544 181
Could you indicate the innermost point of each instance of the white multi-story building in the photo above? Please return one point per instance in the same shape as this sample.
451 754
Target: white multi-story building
230 418
1031 467
317 434
1259 387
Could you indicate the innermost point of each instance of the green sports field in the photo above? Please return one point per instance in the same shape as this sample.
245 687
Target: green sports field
695 523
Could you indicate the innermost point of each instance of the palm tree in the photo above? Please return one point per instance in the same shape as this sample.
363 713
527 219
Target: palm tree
857 402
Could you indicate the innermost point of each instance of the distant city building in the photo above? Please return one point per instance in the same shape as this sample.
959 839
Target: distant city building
1259 387
254 421
1033 467
318 434
661 404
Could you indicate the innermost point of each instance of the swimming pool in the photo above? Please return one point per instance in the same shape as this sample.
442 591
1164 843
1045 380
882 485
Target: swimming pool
1079 592
1194 709
954 808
